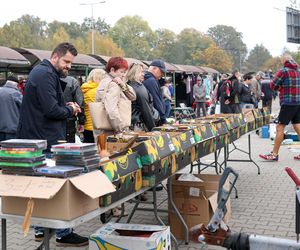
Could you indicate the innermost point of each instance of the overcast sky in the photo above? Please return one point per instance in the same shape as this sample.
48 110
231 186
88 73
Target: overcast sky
260 21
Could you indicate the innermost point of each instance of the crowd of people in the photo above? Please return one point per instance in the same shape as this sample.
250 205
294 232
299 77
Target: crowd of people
53 106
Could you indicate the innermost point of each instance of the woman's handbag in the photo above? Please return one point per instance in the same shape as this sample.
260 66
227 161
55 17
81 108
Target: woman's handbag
100 117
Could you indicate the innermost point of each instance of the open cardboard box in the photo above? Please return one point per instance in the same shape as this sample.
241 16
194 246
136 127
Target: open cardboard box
196 202
54 198
131 236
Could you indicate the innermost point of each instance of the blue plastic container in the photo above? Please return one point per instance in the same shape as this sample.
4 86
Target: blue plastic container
265 132
292 135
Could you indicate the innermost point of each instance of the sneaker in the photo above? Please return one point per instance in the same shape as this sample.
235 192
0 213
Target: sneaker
73 240
118 212
39 236
159 187
269 157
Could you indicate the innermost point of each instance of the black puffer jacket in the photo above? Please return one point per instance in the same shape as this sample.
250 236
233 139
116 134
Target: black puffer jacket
142 106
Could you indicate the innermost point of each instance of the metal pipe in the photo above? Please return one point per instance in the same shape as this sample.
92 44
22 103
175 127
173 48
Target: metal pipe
257 242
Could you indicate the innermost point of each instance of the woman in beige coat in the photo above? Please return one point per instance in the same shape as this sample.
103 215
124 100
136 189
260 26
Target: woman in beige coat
117 89
112 89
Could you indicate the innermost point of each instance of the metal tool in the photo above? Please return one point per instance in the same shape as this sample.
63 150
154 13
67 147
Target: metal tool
297 182
216 234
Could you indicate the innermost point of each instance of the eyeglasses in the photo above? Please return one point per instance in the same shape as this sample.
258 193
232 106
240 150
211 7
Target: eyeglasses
133 64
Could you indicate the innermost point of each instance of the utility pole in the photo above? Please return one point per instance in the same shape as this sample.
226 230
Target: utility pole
93 24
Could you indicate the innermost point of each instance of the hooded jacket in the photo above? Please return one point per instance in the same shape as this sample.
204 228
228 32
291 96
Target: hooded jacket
287 82
89 94
11 100
154 89
44 112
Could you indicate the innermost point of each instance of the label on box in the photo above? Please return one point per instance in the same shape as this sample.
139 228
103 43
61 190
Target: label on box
192 140
171 147
194 192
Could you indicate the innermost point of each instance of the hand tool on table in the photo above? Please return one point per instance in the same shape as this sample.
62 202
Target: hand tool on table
216 234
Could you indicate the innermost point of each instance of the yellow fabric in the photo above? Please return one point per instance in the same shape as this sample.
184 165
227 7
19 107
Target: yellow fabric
89 93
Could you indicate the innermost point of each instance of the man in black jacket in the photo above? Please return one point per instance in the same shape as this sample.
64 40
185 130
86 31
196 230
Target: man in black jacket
44 112
156 70
44 115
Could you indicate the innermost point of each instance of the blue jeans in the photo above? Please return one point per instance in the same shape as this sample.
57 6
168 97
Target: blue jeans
59 232
168 108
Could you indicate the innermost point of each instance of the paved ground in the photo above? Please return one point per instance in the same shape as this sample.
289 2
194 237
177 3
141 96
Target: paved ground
266 202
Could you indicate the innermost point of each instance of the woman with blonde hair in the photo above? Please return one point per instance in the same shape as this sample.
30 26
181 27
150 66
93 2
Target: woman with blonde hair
142 111
89 89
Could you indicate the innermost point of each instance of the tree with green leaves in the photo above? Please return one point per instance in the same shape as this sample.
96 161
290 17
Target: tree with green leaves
164 45
191 41
230 40
216 58
100 25
27 31
257 58
134 36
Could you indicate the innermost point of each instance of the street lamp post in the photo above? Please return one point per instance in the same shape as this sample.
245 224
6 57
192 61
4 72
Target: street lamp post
92 9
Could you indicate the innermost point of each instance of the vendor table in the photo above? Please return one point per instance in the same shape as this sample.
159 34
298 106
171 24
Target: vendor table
50 224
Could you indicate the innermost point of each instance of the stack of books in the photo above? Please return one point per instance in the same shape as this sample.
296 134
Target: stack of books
22 156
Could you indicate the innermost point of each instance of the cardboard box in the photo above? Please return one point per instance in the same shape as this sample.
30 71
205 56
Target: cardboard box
259 119
130 236
196 202
54 198
220 130
125 185
205 147
186 157
122 165
249 118
159 171
182 141
154 148
233 122
266 115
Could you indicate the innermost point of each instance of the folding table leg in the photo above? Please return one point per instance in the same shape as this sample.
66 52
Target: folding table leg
3 233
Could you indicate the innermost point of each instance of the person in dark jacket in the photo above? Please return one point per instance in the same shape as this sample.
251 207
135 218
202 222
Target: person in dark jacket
11 100
267 93
246 95
142 112
44 115
156 70
232 90
44 112
73 93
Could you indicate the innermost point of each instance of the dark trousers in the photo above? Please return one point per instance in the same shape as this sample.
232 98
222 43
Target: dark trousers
202 106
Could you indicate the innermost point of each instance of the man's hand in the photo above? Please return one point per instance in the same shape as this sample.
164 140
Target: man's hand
75 107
